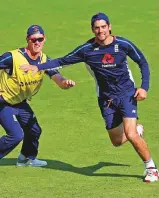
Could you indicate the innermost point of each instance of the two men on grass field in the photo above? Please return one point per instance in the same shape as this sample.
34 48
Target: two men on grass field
16 115
105 56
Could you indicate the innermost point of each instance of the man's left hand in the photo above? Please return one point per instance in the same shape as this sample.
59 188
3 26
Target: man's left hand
140 94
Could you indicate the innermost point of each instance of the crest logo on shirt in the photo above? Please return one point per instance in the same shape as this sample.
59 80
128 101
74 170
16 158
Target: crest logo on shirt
97 48
116 48
108 59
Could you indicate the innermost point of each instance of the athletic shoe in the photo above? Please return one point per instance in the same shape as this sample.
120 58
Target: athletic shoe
151 175
23 161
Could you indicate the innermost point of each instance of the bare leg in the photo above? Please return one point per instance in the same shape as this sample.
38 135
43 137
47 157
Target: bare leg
118 137
138 142
132 133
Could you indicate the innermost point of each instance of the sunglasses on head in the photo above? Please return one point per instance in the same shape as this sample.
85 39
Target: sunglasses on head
33 40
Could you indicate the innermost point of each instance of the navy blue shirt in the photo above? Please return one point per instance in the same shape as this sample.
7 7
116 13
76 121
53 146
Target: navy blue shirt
6 62
108 64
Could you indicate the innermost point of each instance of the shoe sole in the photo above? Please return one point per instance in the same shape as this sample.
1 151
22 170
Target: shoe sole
29 165
148 181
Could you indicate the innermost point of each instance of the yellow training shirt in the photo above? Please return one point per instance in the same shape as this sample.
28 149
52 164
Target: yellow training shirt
18 86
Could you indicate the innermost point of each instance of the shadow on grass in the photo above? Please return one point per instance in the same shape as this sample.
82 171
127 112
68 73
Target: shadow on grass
88 170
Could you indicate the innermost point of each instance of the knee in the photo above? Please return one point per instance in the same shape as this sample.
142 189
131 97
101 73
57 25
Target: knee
36 131
116 136
39 131
131 135
116 143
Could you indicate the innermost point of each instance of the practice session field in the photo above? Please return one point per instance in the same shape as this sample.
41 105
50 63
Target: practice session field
82 163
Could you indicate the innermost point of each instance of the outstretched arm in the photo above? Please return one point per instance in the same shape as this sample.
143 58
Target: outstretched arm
75 56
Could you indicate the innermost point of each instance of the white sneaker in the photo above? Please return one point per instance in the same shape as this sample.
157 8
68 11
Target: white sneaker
151 175
140 130
23 161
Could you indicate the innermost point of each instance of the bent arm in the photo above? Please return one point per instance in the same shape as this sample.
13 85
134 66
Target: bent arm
136 55
62 82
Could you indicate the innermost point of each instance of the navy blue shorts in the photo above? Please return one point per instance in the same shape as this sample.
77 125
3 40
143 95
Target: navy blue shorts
113 112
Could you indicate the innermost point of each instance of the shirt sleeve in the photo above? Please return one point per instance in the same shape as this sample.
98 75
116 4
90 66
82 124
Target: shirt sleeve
75 56
6 61
50 73
137 56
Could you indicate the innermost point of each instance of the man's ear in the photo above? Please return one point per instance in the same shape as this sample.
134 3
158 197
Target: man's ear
92 29
110 27
27 39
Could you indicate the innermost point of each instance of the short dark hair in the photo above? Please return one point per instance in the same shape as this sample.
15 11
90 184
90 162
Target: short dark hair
99 16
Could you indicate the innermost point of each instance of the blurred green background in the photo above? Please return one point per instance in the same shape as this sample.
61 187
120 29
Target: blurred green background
82 163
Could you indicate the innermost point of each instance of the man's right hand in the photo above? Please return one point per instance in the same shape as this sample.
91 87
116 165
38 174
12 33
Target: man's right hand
26 68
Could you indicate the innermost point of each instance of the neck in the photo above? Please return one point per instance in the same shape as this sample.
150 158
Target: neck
109 39
32 55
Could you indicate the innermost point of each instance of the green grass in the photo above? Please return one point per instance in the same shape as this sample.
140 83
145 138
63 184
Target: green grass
82 163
